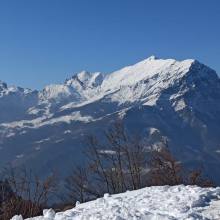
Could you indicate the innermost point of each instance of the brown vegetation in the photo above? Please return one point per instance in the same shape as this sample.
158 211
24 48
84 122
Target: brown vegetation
24 193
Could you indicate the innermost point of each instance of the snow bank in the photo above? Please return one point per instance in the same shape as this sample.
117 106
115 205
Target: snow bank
158 203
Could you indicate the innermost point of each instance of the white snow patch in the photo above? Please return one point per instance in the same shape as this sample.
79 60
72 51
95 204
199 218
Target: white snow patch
153 130
37 148
42 141
42 121
151 101
33 111
75 116
19 156
67 132
23 132
123 113
59 141
110 152
10 134
179 105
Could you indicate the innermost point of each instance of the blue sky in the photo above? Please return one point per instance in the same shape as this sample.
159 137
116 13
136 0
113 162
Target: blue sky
45 41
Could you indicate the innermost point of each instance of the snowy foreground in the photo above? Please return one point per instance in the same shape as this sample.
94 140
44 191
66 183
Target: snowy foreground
158 203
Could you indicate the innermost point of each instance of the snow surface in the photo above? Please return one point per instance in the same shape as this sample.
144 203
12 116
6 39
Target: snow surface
151 203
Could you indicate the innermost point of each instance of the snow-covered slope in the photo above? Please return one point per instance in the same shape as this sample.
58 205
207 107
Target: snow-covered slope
155 97
152 203
151 68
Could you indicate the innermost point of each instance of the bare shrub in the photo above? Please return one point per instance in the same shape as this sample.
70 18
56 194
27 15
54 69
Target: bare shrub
166 170
29 194
113 167
125 162
196 177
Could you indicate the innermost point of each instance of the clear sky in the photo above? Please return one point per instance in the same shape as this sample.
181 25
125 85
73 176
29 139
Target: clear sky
45 41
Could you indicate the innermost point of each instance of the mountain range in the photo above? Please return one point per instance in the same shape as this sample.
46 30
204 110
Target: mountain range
157 98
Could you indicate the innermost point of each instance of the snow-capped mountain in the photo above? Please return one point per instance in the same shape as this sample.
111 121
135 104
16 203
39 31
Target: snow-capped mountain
155 97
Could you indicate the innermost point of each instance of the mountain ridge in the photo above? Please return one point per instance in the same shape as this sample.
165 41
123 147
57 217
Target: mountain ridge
105 77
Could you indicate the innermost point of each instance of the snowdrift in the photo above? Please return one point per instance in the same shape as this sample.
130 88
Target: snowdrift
157 202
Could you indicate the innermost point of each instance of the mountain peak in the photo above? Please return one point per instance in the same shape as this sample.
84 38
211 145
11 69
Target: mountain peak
151 68
85 79
83 75
152 58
